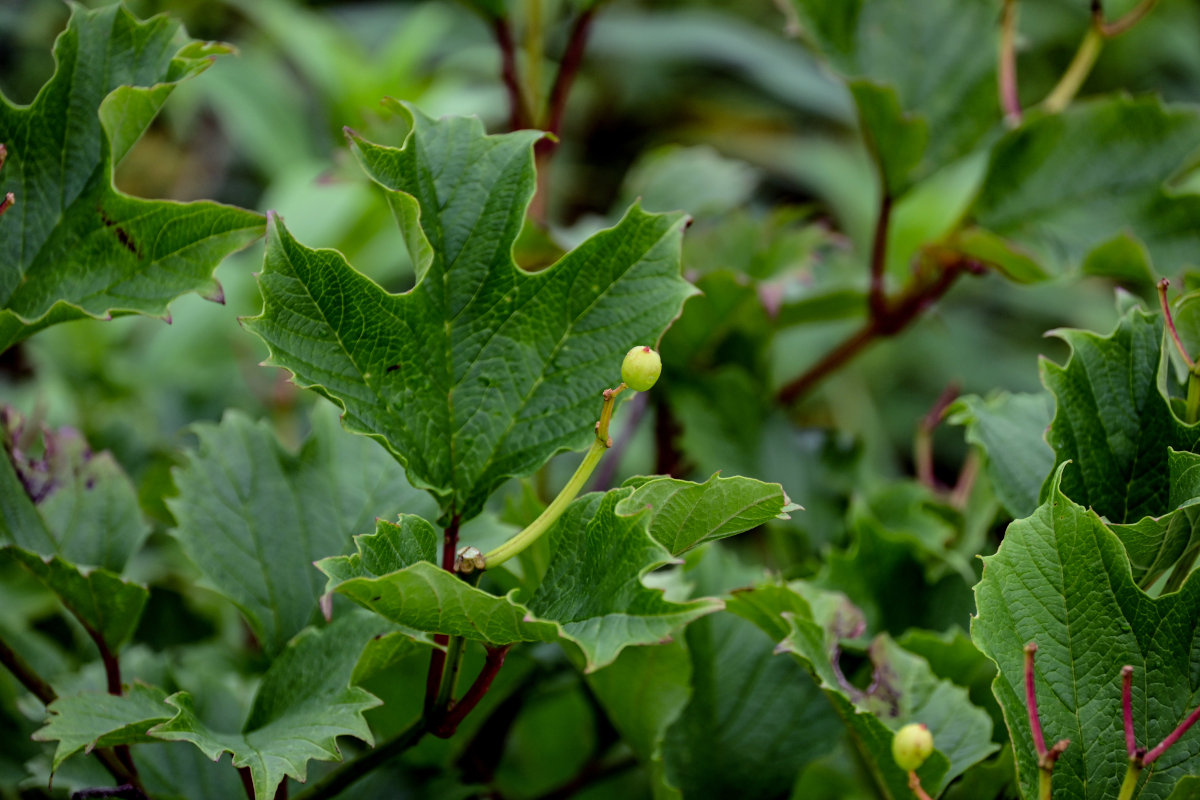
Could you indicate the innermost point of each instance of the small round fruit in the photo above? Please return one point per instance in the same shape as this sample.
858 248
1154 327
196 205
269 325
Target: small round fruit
911 745
641 368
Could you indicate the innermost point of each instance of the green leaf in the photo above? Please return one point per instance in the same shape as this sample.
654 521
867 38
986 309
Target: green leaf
1062 185
1061 580
906 544
642 692
810 624
90 720
482 371
105 604
683 514
73 246
1118 430
950 91
303 704
254 517
420 595
897 140
1011 431
63 499
593 586
754 720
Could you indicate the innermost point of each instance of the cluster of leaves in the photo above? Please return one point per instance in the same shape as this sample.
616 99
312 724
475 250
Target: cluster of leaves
166 619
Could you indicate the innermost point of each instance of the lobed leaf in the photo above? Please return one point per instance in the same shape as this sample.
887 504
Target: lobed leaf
305 701
1130 454
73 246
89 720
482 371
1061 580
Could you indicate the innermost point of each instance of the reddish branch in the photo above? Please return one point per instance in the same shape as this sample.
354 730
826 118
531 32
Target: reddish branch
445 727
1046 757
898 314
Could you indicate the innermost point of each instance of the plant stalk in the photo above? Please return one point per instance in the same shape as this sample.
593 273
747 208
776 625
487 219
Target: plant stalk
547 518
1007 71
1132 772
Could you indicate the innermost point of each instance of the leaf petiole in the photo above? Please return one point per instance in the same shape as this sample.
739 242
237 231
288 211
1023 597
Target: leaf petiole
547 518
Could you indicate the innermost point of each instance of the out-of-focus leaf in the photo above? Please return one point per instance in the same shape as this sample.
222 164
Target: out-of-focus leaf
1011 430
810 624
254 517
62 499
73 246
753 720
1061 185
950 89
105 604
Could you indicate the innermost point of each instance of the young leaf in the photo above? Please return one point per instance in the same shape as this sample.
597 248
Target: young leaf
482 371
304 703
1061 580
1120 434
810 624
254 517
683 514
1011 430
92 720
86 507
73 246
67 500
1063 184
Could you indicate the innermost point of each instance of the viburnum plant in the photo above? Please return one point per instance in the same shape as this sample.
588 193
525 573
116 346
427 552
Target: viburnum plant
394 607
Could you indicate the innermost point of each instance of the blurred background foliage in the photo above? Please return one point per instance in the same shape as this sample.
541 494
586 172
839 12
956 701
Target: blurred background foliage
709 106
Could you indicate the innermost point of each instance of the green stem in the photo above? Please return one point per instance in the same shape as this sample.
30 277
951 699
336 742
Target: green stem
534 56
1130 783
1044 784
1081 66
1192 410
454 659
553 511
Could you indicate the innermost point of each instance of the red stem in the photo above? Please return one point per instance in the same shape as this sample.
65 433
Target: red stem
445 727
910 306
1035 722
1170 320
1007 73
877 297
437 659
1126 22
1127 709
518 111
1173 737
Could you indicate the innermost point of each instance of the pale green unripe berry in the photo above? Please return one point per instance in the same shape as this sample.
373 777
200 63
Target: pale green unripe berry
641 368
911 745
